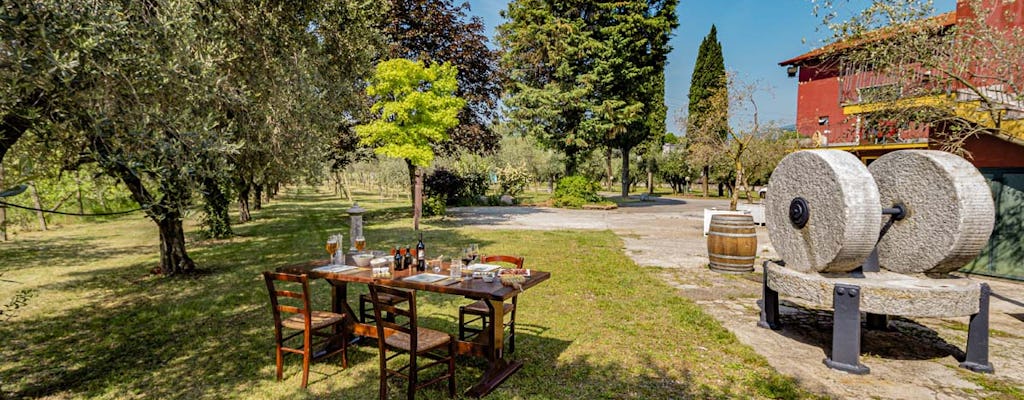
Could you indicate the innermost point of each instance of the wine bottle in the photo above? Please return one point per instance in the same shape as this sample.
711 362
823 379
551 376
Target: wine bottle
421 255
399 259
407 263
396 259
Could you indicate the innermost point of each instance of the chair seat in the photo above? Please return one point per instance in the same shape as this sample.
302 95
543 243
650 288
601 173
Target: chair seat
384 298
480 308
428 339
319 319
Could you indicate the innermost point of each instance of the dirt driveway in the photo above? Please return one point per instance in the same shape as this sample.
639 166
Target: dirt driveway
915 359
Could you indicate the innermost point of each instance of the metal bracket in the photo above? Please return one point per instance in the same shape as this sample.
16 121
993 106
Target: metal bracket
846 330
977 336
769 303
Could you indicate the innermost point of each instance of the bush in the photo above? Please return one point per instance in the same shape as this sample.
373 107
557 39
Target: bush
455 189
513 179
575 191
443 184
434 206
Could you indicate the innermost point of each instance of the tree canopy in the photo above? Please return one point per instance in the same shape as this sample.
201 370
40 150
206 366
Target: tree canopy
437 31
415 106
587 74
168 121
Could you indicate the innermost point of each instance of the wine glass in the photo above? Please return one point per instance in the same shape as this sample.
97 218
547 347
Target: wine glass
437 264
474 251
360 243
467 256
331 247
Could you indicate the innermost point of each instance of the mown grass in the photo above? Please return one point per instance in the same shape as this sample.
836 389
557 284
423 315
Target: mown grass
102 327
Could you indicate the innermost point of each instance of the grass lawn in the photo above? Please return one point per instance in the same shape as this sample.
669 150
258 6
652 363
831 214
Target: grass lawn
100 326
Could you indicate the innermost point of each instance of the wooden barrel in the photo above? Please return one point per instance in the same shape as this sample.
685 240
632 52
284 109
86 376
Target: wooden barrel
732 243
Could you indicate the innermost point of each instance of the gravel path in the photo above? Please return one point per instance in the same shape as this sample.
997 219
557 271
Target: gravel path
916 359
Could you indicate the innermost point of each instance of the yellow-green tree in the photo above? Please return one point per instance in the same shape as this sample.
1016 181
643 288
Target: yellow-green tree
414 107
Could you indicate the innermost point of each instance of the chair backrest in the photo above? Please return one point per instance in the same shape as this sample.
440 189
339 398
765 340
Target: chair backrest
276 294
514 260
381 307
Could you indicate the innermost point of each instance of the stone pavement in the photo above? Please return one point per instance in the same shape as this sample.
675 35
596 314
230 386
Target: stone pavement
915 359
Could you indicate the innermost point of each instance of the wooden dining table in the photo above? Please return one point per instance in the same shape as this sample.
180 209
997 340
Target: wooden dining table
488 344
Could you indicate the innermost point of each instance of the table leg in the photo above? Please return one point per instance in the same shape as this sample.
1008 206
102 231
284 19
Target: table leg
498 369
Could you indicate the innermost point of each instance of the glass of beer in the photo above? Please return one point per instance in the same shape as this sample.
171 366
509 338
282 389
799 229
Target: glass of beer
331 247
360 243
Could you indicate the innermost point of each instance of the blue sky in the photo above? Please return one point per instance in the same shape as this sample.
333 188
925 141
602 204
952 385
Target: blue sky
755 36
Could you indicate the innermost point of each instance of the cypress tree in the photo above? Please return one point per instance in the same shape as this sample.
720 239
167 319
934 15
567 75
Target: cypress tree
708 77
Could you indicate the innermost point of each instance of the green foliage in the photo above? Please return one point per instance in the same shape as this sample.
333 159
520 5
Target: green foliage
575 191
670 138
451 37
512 179
415 107
587 74
434 206
445 185
674 169
708 78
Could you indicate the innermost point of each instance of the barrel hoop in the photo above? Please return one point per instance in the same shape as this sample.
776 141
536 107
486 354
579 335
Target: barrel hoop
731 264
737 235
733 257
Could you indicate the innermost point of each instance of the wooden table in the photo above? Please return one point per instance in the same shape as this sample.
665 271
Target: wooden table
489 344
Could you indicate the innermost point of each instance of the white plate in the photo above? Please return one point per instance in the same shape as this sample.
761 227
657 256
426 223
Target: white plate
484 267
425 278
334 269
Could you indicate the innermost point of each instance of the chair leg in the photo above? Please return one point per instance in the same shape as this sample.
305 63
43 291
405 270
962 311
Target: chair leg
344 350
362 310
462 323
413 370
280 363
451 368
383 385
512 333
306 353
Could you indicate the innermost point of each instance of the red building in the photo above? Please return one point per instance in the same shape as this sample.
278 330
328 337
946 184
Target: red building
837 108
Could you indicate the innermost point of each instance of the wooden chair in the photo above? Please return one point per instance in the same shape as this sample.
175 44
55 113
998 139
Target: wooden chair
478 311
417 342
305 322
366 313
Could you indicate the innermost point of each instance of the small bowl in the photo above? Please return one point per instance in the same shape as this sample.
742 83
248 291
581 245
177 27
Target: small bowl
362 260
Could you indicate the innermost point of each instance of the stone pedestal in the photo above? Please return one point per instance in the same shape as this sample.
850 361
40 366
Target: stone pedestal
355 214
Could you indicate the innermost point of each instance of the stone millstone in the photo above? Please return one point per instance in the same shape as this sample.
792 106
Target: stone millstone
844 211
882 292
949 206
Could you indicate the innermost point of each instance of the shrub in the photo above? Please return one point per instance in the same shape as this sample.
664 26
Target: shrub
575 191
433 206
475 185
443 184
455 189
513 179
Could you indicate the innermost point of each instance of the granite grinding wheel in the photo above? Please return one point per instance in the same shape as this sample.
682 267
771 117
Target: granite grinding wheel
949 208
844 212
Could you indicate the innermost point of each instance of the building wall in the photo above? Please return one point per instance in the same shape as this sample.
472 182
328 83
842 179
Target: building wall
991 152
817 98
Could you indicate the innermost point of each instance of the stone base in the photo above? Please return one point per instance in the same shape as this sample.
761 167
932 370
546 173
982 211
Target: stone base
884 292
